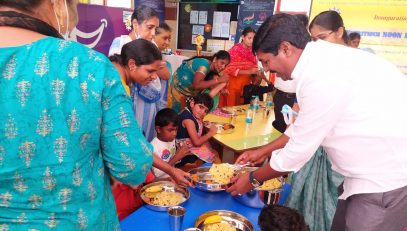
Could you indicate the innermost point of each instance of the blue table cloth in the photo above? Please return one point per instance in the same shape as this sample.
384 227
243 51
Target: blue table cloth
198 203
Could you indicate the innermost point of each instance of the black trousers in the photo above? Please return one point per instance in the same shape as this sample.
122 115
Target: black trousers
281 98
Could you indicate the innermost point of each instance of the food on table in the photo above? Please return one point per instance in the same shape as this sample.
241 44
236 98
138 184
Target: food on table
213 219
194 177
226 127
239 109
222 173
222 226
154 189
271 184
167 199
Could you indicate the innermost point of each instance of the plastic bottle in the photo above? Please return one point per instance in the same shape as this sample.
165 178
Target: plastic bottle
256 103
249 115
249 119
269 104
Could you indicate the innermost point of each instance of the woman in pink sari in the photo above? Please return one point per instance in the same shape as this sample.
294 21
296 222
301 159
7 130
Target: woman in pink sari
243 64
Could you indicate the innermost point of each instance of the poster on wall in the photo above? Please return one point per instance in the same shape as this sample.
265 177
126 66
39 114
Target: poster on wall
293 6
381 24
99 25
157 5
252 13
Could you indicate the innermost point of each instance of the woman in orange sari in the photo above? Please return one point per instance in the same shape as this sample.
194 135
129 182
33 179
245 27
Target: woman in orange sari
243 64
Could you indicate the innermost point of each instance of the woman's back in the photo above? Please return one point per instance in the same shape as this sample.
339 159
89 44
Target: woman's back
64 117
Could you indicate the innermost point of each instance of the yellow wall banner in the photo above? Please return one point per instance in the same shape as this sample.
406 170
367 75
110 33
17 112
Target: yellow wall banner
381 23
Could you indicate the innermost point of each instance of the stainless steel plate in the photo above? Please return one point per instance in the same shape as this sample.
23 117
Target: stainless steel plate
166 186
236 220
221 128
203 180
235 109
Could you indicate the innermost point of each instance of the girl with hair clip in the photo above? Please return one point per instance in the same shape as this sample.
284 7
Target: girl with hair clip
243 64
190 132
189 79
138 63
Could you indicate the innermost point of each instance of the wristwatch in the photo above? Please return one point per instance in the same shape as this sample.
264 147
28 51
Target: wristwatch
255 183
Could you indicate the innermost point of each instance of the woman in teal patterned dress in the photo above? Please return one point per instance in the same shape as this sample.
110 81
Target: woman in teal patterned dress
189 79
66 124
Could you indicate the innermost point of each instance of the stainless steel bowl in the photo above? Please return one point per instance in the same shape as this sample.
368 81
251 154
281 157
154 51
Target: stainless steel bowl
238 221
167 186
202 180
259 198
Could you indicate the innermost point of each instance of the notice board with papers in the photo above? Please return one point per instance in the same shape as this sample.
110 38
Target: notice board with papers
212 20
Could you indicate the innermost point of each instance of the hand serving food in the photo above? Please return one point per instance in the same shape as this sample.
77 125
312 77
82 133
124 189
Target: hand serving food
240 185
180 177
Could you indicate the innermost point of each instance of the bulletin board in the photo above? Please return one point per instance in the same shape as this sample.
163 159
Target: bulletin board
198 18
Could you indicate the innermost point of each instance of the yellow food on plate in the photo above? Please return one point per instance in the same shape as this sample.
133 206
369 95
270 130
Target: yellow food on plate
222 226
154 189
226 126
271 184
167 198
221 173
213 219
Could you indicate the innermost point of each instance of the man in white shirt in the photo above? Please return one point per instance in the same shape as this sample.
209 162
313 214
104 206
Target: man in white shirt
351 103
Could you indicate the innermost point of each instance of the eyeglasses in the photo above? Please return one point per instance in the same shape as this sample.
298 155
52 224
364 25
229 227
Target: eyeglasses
322 36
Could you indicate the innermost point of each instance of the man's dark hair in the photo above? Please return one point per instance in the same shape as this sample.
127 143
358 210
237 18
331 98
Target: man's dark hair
165 117
353 36
281 218
279 28
303 18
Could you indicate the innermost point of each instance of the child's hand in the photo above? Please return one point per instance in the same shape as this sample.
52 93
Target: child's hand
212 130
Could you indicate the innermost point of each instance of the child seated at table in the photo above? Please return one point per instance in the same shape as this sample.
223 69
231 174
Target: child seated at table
166 126
277 217
215 90
190 133
127 197
254 88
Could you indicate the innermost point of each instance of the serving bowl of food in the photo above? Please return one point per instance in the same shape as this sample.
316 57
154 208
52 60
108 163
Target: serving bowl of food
267 193
214 178
223 220
204 180
161 195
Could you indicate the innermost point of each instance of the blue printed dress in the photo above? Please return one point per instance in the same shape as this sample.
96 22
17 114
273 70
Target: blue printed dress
66 124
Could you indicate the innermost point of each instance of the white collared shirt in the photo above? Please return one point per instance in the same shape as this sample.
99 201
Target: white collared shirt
287 86
353 103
